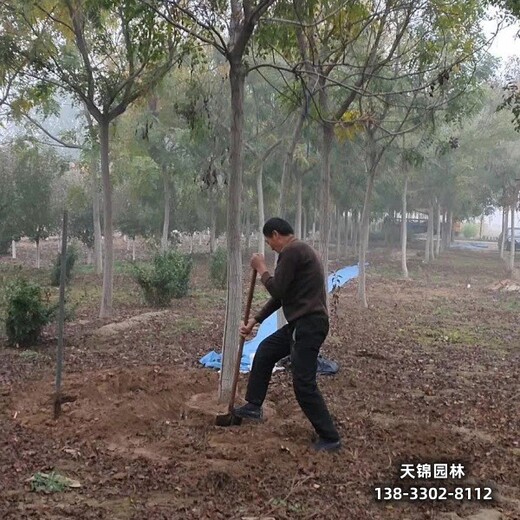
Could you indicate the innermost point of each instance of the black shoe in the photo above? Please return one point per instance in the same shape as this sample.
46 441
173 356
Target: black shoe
249 411
326 445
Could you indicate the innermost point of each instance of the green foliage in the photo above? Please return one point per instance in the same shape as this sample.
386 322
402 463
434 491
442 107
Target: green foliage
470 230
218 268
167 278
52 482
27 314
47 483
72 256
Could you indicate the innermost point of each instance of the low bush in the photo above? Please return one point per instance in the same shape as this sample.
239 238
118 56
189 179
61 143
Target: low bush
167 278
72 256
218 268
27 313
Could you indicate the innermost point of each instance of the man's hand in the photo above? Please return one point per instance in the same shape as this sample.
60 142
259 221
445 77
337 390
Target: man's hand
258 264
245 330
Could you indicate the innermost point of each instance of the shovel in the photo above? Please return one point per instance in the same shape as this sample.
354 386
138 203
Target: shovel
229 419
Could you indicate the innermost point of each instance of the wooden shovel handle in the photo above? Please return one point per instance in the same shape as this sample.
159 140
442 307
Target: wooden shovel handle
241 343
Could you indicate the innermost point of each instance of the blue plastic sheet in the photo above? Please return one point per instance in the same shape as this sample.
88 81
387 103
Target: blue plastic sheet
268 326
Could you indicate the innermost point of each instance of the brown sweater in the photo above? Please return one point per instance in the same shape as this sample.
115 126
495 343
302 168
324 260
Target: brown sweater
298 284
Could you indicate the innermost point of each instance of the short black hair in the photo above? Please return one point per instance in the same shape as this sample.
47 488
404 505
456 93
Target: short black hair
277 224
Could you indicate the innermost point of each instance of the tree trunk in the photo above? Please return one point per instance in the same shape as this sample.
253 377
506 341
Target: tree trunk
108 271
96 215
327 135
234 280
314 230
61 318
287 165
213 220
431 217
248 229
38 263
363 242
166 217
261 214
89 256
339 221
438 242
298 219
346 223
450 226
304 232
513 244
444 237
404 229
355 233
96 202
505 218
13 249
427 249
133 250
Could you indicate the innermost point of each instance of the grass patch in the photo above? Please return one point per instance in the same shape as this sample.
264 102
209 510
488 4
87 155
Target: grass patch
30 355
187 324
511 304
51 482
428 336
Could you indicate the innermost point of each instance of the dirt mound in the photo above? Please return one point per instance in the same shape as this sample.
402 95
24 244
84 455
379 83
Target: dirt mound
108 402
122 326
505 286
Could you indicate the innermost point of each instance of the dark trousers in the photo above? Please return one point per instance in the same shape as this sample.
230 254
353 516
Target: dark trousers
301 339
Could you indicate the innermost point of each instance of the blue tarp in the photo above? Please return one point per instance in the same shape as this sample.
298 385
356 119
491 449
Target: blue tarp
269 325
470 246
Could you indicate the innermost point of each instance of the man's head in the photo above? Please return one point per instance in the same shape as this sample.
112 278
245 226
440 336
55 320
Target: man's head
277 232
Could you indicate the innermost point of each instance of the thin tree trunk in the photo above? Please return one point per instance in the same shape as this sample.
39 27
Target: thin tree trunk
346 227
505 218
438 242
450 226
298 219
96 215
363 243
304 232
213 220
404 229
314 230
61 319
96 202
427 250
38 263
133 250
13 249
339 221
248 229
234 280
261 214
166 217
355 233
513 243
108 271
287 165
327 135
431 216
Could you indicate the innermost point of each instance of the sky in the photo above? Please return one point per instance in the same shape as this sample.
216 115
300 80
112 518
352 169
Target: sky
505 45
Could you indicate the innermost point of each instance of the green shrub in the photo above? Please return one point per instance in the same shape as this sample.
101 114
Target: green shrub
470 230
218 268
167 278
72 256
26 313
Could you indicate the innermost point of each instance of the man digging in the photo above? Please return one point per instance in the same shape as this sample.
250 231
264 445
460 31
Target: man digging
298 286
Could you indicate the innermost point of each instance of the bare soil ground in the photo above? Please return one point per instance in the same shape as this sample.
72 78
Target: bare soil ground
429 373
